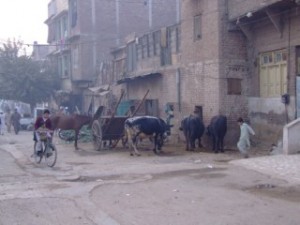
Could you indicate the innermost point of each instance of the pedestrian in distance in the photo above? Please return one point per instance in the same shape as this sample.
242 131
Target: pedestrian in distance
244 141
7 120
1 123
15 121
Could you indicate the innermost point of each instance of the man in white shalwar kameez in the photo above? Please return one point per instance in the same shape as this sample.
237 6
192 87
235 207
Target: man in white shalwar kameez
244 141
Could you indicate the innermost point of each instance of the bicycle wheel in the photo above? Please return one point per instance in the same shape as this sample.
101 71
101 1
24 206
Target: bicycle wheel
66 135
37 157
50 155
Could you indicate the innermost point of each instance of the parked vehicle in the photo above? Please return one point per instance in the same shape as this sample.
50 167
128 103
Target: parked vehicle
26 123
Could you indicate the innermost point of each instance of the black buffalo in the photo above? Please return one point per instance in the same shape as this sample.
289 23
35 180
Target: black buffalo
145 126
217 130
193 129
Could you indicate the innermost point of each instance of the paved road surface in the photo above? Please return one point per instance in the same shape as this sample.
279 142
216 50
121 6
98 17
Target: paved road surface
176 188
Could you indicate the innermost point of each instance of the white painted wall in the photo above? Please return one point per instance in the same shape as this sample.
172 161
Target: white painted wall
291 135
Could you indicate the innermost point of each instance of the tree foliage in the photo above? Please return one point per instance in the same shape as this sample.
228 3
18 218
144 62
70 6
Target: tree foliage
22 78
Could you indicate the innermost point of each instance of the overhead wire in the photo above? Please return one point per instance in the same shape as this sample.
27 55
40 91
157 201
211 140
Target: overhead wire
114 38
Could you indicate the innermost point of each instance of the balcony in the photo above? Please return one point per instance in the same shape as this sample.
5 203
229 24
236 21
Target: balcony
147 55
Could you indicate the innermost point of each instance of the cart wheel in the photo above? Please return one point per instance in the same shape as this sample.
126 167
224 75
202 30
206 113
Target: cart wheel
97 135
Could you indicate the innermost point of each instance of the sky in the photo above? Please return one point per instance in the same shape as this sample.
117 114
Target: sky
24 20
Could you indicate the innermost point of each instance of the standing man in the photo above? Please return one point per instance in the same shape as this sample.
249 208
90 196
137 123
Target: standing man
244 141
15 120
2 124
7 119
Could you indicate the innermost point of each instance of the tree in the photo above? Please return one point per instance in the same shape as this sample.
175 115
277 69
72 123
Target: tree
22 78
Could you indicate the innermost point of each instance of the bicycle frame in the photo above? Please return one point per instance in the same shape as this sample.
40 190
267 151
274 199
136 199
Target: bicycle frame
49 151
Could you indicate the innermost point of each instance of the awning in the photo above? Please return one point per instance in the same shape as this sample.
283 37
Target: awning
99 89
129 79
104 93
63 92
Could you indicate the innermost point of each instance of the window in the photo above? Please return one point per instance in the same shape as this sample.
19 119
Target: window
197 27
61 29
234 86
156 43
131 56
75 57
148 47
51 32
73 12
58 31
138 51
273 73
64 26
166 48
145 49
177 39
64 66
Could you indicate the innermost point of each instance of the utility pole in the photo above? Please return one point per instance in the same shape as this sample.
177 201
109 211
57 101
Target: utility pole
150 14
94 33
178 11
118 22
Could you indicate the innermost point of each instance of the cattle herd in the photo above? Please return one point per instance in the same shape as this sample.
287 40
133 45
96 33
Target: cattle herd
192 126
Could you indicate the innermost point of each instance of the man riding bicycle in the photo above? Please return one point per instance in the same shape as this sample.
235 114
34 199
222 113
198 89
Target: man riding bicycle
42 123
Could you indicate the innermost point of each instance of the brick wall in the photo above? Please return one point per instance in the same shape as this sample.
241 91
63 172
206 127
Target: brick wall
233 65
200 78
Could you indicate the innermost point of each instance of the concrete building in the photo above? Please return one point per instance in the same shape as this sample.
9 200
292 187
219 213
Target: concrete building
40 52
84 32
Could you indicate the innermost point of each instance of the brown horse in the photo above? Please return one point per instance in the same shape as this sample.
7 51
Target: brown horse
70 122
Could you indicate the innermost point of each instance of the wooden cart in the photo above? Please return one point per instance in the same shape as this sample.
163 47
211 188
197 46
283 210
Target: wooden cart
109 128
107 131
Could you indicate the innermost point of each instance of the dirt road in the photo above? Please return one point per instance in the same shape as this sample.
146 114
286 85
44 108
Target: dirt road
111 188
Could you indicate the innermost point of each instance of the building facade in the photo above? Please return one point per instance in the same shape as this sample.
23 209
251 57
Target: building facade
210 57
230 57
271 38
84 32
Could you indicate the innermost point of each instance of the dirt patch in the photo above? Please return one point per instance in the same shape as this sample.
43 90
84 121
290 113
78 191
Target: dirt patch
93 179
56 186
223 160
78 163
291 194
196 173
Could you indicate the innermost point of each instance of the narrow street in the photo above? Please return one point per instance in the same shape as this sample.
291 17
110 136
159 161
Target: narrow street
111 188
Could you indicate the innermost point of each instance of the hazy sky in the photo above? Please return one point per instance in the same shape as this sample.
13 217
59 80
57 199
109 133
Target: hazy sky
24 20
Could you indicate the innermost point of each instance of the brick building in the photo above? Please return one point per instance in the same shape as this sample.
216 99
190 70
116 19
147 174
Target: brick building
84 32
229 57
271 39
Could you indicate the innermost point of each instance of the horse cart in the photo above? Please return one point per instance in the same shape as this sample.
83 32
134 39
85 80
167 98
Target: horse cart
107 130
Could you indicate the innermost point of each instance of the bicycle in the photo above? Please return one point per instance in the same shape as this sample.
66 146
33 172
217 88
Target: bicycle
49 151
69 135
